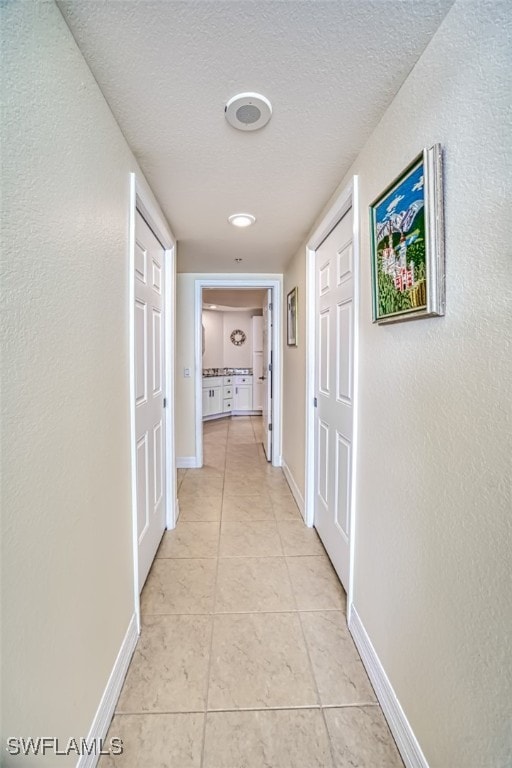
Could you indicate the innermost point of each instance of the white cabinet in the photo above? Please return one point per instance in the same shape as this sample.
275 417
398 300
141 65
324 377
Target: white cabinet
228 391
217 400
213 395
257 363
242 400
226 394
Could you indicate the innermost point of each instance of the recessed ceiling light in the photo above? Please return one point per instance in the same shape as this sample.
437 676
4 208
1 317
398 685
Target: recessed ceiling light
241 219
248 111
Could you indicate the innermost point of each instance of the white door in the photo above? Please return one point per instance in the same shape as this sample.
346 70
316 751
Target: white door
257 380
149 393
334 319
266 376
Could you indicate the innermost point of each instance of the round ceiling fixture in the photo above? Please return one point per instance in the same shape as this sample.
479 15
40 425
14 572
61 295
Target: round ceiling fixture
241 219
248 111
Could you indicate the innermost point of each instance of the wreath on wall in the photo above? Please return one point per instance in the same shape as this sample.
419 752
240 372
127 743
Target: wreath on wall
238 337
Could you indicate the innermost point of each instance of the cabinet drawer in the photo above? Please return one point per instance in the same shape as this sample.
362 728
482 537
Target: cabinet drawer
228 404
228 392
228 380
212 381
243 380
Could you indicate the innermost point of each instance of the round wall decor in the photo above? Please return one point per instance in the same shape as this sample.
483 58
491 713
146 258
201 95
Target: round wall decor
238 337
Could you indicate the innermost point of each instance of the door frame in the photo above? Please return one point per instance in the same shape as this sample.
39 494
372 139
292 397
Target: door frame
142 199
275 282
348 198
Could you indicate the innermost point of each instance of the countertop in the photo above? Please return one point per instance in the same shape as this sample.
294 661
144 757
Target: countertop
207 372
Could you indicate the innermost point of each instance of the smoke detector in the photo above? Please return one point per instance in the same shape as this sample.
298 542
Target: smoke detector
248 111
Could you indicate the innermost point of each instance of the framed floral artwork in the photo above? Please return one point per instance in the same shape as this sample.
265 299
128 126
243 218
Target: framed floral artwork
406 221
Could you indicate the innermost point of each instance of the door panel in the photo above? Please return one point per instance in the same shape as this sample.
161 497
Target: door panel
323 462
149 393
324 351
157 352
140 352
158 485
142 486
334 329
344 333
342 483
257 380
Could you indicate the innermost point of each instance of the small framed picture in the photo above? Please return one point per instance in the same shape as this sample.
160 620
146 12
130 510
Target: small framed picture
407 242
291 304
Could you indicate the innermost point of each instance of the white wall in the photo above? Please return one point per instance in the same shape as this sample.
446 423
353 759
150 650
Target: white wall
213 323
67 594
433 564
237 357
220 352
294 385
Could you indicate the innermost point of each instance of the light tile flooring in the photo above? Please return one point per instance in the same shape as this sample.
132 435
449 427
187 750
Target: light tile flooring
245 659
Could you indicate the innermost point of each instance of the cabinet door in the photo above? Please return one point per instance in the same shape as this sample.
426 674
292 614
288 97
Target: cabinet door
206 401
243 397
217 400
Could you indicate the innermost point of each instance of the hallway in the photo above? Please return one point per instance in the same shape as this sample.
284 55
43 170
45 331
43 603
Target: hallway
243 619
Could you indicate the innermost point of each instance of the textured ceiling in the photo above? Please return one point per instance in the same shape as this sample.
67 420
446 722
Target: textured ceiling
330 69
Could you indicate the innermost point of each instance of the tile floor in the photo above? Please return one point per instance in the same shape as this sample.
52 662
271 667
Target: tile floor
245 659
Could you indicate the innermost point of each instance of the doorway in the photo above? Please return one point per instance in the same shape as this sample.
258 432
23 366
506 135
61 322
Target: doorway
331 387
234 376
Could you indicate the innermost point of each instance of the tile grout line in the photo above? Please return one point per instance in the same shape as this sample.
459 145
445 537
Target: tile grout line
208 671
288 707
244 613
331 748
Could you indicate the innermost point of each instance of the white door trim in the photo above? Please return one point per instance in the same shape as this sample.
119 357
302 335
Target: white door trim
346 199
142 199
248 281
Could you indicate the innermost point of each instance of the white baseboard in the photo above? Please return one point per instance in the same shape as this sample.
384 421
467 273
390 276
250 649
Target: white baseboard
294 488
186 462
400 727
108 702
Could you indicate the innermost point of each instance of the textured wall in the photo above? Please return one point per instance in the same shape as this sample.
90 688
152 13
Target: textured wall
238 357
294 362
67 592
185 422
433 581
213 323
220 352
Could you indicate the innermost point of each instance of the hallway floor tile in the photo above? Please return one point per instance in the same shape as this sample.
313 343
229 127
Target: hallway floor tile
245 659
